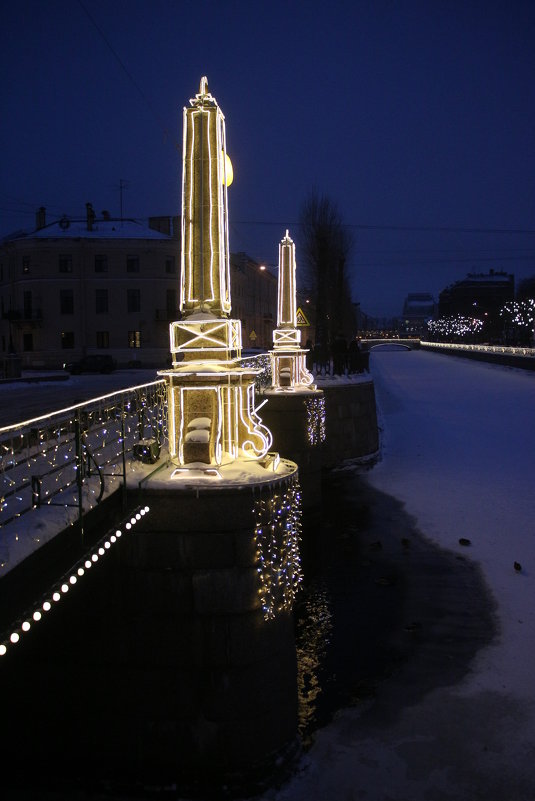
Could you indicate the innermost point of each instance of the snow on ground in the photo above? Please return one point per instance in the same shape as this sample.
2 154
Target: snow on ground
458 450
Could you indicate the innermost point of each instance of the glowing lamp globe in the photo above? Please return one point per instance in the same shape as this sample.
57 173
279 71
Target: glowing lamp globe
228 173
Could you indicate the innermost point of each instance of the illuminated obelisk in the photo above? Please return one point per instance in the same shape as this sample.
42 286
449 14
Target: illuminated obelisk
288 359
211 411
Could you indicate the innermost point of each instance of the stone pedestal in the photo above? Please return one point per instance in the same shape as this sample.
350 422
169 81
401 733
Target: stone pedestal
214 684
298 434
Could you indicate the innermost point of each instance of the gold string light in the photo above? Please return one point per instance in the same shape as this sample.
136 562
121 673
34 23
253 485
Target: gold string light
277 538
315 406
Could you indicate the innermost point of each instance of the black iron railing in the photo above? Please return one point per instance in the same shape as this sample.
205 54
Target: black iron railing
71 459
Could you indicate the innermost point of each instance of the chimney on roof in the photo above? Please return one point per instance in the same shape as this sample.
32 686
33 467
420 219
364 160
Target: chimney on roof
90 214
40 218
161 224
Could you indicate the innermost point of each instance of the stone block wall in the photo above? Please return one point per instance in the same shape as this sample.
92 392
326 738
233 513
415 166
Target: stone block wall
215 683
351 423
351 431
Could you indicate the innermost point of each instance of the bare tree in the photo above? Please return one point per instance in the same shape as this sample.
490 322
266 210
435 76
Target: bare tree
325 244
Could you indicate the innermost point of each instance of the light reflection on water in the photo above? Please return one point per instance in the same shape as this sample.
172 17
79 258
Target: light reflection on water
314 629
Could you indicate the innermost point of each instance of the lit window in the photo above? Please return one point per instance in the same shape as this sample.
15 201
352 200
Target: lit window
132 264
134 339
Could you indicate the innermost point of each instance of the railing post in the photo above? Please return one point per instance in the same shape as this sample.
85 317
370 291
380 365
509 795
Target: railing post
141 416
79 469
36 492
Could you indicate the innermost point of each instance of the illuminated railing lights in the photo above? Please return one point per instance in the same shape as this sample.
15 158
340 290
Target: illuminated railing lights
498 349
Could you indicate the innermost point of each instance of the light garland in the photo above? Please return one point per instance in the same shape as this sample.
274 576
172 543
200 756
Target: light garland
277 537
496 349
67 582
519 313
38 463
316 416
458 327
262 363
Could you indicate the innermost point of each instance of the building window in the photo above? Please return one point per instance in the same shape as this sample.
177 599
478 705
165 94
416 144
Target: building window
170 303
103 339
27 341
101 301
170 264
66 301
65 263
3 342
25 264
133 300
132 264
134 339
27 304
101 264
67 340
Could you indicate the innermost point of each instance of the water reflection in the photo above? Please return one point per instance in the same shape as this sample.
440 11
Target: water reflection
313 636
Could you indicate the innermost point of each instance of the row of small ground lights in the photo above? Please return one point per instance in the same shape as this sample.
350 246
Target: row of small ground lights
69 580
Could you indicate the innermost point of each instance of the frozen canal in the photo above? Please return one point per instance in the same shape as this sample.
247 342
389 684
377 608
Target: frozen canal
416 632
456 720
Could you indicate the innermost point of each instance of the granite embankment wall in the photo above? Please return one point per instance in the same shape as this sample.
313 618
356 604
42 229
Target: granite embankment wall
350 430
351 423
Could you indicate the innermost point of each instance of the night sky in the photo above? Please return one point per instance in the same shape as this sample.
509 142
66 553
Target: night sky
416 118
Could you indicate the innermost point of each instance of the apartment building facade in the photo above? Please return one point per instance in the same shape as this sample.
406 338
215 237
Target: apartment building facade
73 288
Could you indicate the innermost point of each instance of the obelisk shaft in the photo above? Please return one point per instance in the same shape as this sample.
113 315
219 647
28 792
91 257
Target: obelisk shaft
205 274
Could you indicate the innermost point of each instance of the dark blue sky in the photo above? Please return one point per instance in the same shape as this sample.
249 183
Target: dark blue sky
412 116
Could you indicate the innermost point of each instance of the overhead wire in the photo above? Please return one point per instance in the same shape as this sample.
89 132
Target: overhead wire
127 72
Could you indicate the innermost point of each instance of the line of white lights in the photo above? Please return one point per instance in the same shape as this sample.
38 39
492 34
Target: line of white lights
82 405
67 582
482 348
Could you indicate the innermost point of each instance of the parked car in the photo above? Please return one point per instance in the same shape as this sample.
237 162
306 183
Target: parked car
96 363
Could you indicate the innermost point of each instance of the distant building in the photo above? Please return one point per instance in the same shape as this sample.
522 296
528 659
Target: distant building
77 287
254 300
418 308
478 295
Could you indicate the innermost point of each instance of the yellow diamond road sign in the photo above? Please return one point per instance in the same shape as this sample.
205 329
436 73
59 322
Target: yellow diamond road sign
302 319
252 335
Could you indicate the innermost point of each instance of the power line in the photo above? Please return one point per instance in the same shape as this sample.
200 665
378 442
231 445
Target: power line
127 72
428 228
467 260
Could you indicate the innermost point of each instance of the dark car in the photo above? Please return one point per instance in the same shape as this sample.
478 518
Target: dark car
92 364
